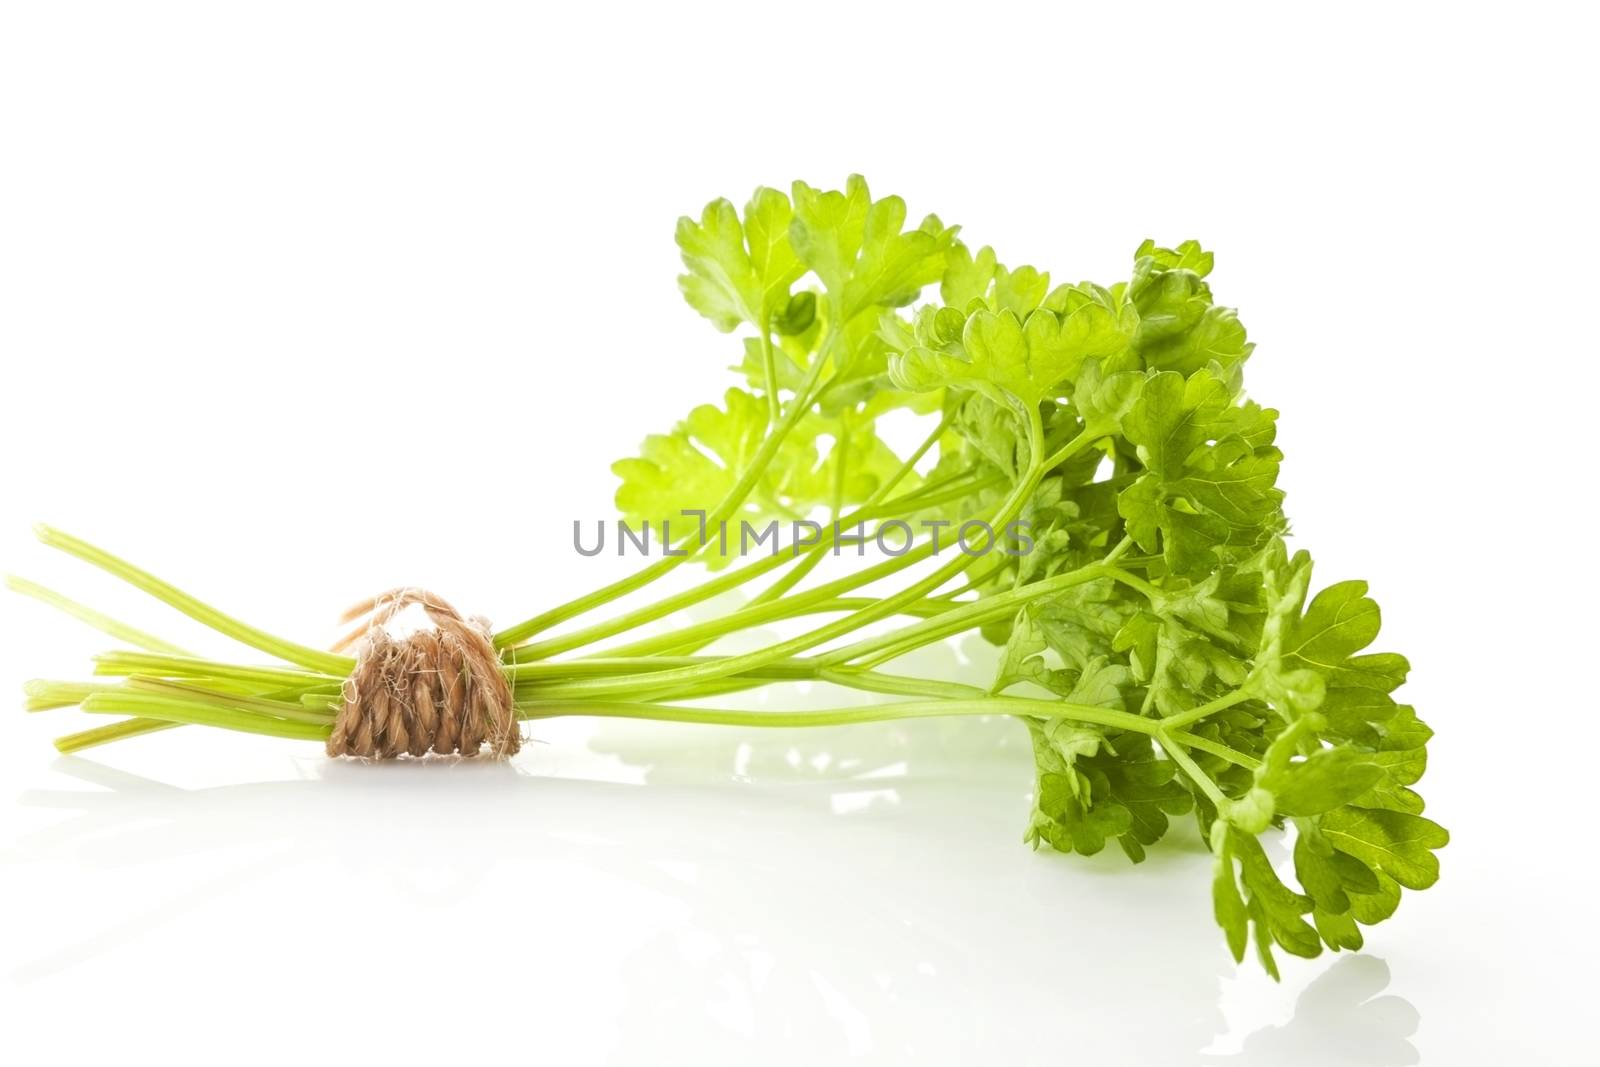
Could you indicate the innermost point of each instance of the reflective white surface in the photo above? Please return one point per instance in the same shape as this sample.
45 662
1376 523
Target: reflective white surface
301 301
733 898
644 894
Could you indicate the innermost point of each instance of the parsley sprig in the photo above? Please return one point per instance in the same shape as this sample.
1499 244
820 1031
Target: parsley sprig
1159 642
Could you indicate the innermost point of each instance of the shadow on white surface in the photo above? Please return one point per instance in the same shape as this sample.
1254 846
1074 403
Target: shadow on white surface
768 896
1339 1019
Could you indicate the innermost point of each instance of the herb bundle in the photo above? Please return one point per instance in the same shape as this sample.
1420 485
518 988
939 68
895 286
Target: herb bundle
1159 642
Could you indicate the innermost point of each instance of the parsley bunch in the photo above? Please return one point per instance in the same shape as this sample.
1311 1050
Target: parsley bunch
1159 642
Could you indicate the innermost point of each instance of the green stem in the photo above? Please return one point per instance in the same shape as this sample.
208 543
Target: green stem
158 664
842 450
104 623
194 694
769 373
104 735
931 495
1190 767
47 694
117 629
876 682
730 503
757 614
201 612
541 681
198 714
926 608
913 709
649 613
791 578
1227 700
722 583
1133 581
663 682
973 584
1216 748
875 651
959 619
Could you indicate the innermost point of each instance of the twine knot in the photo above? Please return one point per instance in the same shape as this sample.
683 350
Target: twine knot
439 690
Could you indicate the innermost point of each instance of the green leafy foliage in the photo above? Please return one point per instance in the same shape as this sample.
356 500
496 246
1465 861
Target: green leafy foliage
1210 471
1341 766
680 477
1004 355
1252 704
1180 328
824 342
694 465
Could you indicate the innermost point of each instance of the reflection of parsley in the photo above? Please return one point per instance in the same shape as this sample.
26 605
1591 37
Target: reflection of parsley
1158 640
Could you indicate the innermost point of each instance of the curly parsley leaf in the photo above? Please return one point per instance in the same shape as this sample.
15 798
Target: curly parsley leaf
1180 328
1210 471
1003 355
860 250
741 271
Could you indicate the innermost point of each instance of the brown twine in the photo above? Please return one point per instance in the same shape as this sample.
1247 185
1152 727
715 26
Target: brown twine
439 690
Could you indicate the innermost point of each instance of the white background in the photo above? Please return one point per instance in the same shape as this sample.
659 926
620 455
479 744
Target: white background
301 301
